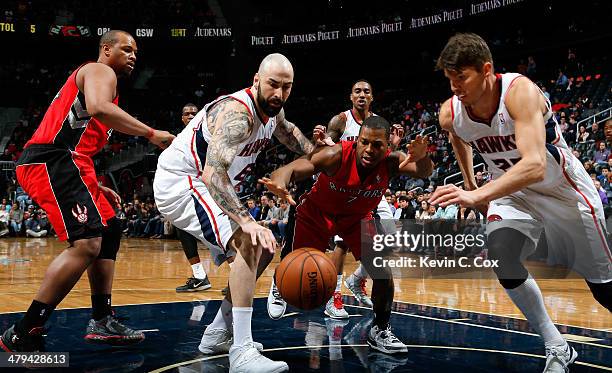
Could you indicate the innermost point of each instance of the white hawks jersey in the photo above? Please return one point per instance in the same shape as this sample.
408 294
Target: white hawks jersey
351 129
496 141
187 153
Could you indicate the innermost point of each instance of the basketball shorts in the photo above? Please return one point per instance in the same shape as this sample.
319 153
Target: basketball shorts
187 203
569 211
314 228
383 212
64 184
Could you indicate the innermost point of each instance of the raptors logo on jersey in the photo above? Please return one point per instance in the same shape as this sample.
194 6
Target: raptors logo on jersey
346 189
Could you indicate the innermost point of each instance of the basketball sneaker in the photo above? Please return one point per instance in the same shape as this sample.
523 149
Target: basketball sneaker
335 308
246 359
194 284
385 341
558 358
12 341
110 331
219 341
276 304
357 287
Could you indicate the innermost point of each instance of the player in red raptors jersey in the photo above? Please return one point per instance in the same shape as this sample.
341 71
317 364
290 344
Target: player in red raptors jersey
354 177
57 171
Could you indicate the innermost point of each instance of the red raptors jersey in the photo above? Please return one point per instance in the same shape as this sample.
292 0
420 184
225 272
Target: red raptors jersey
67 124
344 193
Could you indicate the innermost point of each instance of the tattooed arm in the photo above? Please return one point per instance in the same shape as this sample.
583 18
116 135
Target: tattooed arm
231 124
290 135
336 127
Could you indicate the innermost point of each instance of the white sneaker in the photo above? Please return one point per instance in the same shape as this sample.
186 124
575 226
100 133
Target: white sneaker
335 308
558 358
356 286
276 304
246 359
385 341
219 341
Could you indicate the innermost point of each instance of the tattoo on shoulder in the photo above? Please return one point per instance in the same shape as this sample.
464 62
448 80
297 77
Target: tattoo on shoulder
336 127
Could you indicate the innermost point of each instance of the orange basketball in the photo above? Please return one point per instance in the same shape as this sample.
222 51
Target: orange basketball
306 278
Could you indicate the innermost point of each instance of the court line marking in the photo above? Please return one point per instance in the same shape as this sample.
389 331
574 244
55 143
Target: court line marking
492 314
477 325
208 358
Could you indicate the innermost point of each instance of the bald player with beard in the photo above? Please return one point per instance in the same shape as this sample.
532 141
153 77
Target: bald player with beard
195 189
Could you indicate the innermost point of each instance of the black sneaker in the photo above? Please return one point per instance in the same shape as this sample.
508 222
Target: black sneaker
11 341
194 284
110 331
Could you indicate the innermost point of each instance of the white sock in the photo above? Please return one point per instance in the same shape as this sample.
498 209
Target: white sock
528 298
223 318
242 325
360 272
339 283
198 271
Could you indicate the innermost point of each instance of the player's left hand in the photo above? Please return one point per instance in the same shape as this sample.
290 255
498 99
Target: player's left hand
320 136
280 191
111 196
396 136
451 194
417 150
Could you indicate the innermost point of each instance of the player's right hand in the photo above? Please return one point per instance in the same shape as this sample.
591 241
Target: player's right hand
278 190
320 136
260 235
163 139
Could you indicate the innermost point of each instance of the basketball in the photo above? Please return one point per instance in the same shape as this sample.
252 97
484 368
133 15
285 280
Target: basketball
306 278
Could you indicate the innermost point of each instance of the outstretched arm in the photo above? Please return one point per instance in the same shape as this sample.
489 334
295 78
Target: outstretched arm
290 135
415 164
325 159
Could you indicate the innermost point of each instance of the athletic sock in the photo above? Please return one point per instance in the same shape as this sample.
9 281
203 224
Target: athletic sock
223 318
528 298
100 306
36 316
338 283
198 271
242 325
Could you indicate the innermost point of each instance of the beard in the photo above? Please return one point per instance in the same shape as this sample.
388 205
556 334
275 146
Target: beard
265 106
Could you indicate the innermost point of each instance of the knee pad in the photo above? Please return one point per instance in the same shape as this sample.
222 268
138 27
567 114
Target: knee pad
505 245
111 239
602 293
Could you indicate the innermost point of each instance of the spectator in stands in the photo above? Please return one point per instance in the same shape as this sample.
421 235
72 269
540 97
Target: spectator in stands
601 154
389 199
22 198
562 81
597 133
604 177
405 210
254 210
4 221
480 180
16 219
283 218
583 135
531 68
589 111
545 92
423 212
33 226
602 193
268 212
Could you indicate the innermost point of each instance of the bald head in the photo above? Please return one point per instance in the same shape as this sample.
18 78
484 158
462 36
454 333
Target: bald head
272 83
275 63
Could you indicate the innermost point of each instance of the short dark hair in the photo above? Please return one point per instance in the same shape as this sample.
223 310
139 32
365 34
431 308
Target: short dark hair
189 104
404 198
363 81
111 37
377 122
464 50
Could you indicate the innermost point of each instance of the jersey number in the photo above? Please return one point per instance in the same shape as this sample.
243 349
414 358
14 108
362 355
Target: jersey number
504 164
